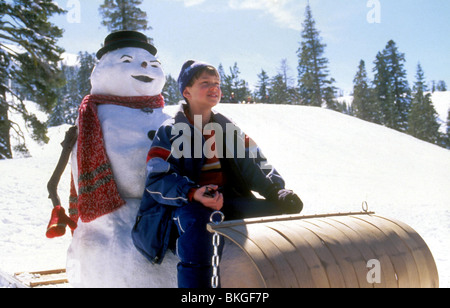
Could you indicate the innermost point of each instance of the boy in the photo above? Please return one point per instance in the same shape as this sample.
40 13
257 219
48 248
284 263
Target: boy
185 188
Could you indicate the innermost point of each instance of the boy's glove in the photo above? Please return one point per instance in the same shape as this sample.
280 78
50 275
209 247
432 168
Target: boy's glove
289 201
58 223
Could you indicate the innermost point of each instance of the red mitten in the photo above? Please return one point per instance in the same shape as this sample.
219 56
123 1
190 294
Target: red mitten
58 223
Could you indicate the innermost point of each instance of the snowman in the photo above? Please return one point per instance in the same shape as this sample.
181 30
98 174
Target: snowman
116 125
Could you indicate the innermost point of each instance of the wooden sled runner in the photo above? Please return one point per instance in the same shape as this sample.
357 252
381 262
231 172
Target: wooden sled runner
50 278
352 250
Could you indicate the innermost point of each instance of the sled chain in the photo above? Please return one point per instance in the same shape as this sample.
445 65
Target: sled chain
216 244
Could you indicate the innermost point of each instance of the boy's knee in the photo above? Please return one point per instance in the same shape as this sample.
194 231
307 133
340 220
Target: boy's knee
192 217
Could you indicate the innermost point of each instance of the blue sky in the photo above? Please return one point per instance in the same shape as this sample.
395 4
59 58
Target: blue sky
258 34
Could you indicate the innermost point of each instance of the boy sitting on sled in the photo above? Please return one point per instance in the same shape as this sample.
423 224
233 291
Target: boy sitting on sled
195 167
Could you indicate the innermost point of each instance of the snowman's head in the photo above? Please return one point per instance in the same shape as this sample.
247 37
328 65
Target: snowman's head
127 67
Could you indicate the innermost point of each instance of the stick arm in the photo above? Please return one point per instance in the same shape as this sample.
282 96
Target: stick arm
67 145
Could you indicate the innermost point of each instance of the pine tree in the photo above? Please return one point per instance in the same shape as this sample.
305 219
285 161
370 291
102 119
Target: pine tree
329 95
423 117
314 85
401 91
226 86
441 86
29 60
171 93
87 64
383 92
123 15
77 86
284 71
234 89
391 87
262 91
292 94
363 106
279 93
433 86
239 86
62 109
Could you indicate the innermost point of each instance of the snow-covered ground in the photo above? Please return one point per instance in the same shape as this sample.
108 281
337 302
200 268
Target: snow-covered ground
333 162
441 102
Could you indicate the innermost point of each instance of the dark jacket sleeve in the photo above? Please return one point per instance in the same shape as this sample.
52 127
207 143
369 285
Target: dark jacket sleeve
165 184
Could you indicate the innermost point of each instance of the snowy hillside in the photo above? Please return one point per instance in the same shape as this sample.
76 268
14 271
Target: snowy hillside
441 101
333 161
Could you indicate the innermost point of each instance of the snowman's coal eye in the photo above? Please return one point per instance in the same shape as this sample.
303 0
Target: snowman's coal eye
126 61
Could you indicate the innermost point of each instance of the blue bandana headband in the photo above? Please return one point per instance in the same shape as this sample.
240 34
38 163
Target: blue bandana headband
189 69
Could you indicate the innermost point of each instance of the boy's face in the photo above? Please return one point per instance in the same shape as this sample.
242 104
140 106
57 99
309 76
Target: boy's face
205 92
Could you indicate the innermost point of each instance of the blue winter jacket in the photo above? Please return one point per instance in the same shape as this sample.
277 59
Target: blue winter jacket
174 164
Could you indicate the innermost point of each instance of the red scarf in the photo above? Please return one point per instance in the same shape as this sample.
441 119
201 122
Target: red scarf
97 189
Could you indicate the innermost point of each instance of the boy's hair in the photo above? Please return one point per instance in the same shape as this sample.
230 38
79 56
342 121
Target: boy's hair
191 71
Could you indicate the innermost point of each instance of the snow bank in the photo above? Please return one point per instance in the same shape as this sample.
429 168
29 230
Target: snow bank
441 102
333 161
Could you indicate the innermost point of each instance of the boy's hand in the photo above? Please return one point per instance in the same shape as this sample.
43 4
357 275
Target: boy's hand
213 200
289 201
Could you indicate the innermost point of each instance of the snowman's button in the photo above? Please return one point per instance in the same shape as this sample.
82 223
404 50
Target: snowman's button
147 110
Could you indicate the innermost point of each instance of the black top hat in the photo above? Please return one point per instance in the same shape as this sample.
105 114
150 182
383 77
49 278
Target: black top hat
122 39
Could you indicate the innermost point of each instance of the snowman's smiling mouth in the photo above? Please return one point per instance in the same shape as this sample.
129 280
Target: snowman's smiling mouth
143 78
